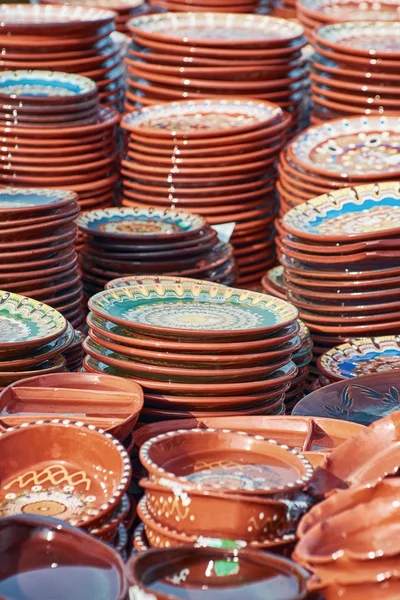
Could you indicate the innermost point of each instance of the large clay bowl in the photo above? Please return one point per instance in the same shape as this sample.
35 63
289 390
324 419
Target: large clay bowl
108 402
51 557
183 457
146 573
90 463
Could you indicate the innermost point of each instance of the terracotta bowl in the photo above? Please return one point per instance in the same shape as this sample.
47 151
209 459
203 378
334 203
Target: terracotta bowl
228 516
43 554
166 572
111 403
73 471
246 464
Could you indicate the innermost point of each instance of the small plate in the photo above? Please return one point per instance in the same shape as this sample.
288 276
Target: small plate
364 356
41 84
33 201
192 310
363 38
140 223
26 323
364 212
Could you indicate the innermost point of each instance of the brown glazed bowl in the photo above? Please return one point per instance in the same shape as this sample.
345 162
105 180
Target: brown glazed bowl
111 403
223 460
228 516
58 468
46 558
215 573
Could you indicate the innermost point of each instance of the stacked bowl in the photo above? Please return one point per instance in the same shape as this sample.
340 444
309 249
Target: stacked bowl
37 248
177 56
75 39
55 135
33 336
215 157
341 256
223 485
122 242
336 154
180 342
124 9
355 69
314 13
75 472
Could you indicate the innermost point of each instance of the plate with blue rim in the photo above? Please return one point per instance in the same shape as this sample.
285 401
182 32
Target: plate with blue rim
194 311
26 201
141 224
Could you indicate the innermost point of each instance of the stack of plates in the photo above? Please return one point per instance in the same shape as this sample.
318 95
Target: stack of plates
145 241
32 338
37 248
224 6
364 356
337 154
196 349
177 56
302 359
54 135
63 38
356 69
125 9
74 353
341 256
314 13
215 157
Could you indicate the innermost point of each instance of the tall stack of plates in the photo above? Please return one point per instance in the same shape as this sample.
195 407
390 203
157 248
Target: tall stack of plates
216 158
196 349
37 248
186 56
67 38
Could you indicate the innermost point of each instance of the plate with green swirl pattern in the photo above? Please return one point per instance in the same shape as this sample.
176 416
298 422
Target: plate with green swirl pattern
192 310
26 323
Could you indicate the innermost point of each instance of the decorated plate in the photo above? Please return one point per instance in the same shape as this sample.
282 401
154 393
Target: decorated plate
152 280
27 323
345 10
140 223
275 277
364 212
42 84
368 399
193 310
19 15
35 200
216 29
200 118
364 356
365 38
360 147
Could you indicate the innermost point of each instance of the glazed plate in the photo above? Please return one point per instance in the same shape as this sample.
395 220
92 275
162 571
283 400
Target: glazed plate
140 223
216 29
191 310
151 280
364 356
43 84
364 38
26 323
201 118
363 148
364 212
32 201
368 399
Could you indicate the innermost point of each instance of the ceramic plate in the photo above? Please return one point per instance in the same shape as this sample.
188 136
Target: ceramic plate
364 37
26 323
44 83
343 10
201 118
366 400
216 29
35 200
193 310
275 276
152 280
365 212
362 147
140 223
362 357
48 14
